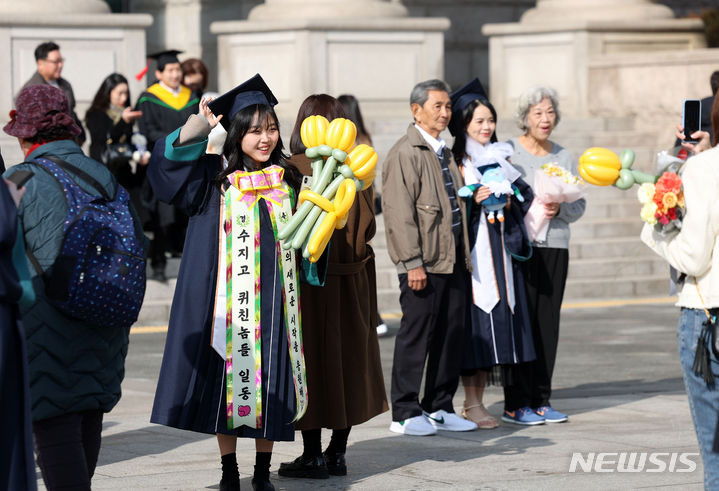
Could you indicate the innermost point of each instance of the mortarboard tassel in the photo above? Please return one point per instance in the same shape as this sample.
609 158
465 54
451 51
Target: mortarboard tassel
142 73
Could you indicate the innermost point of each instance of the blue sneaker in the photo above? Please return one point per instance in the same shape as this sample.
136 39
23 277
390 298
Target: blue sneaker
523 416
551 415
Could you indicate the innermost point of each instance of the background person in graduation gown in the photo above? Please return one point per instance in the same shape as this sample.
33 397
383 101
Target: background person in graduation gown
497 332
344 374
17 465
111 117
191 387
165 106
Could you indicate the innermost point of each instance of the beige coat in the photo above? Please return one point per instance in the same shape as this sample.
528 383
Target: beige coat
417 212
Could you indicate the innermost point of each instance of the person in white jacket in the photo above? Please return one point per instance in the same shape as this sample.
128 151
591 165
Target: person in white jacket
694 252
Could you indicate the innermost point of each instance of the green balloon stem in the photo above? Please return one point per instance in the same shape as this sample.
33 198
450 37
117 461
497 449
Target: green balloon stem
333 187
317 166
312 153
325 175
304 229
339 155
296 219
306 248
626 158
345 170
643 178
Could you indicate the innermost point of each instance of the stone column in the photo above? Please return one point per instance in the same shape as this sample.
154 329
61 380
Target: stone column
369 48
305 9
51 8
552 10
94 43
556 43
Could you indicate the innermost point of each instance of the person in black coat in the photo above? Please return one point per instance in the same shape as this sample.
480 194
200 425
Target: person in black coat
17 465
109 120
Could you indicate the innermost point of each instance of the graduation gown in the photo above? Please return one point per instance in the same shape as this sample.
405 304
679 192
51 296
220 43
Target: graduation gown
162 113
344 373
17 465
503 336
190 391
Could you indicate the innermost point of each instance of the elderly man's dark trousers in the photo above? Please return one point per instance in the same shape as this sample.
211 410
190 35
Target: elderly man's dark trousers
432 330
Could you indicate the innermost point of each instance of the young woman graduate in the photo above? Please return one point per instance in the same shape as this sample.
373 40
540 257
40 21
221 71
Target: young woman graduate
233 363
498 332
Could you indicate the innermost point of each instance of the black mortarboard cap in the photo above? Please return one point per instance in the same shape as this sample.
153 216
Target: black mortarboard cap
165 57
461 98
251 92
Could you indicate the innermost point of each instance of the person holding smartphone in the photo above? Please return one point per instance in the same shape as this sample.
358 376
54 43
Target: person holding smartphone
692 252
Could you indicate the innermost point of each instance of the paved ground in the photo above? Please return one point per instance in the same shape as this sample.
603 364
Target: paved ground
617 375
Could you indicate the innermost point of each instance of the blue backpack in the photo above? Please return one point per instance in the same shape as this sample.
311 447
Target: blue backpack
99 273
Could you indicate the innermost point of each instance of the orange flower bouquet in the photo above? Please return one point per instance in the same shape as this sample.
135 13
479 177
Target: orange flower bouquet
663 202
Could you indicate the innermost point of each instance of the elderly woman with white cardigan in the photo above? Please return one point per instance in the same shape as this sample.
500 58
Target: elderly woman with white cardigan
694 252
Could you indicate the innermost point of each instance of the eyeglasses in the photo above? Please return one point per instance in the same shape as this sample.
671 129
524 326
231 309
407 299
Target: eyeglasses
55 62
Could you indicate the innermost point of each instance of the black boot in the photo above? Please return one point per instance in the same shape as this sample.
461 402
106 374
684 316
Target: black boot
262 483
305 466
230 475
261 478
336 465
229 486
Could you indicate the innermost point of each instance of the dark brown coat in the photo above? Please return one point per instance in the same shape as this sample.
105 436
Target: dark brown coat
344 374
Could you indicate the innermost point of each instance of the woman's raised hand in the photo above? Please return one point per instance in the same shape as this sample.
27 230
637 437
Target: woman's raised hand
207 112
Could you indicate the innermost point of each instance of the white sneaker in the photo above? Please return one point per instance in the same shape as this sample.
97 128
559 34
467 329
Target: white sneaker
417 426
382 329
442 420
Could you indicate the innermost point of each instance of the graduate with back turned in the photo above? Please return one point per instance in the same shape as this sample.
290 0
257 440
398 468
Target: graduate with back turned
165 106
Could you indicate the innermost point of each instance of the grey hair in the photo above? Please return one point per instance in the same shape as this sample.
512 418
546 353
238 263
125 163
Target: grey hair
531 97
420 92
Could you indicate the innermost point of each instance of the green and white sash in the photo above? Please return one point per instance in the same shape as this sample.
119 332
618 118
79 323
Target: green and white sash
243 361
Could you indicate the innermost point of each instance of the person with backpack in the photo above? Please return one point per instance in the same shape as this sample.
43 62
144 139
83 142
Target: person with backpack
86 252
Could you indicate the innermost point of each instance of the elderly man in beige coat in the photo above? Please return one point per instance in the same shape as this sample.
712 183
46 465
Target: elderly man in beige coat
427 240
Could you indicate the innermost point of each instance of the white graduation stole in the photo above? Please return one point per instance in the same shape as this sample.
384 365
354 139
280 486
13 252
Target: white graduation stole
243 361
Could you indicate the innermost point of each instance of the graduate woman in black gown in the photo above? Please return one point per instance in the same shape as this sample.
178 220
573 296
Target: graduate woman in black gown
498 332
192 388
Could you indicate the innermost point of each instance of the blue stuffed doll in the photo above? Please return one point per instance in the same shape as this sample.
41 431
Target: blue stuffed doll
494 178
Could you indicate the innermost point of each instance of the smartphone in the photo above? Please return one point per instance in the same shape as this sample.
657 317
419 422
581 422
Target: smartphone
691 118
20 177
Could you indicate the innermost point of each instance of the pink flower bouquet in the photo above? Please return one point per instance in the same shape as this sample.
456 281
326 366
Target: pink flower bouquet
552 184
